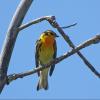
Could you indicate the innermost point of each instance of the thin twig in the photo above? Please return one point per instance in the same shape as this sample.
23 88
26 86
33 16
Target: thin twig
87 43
64 27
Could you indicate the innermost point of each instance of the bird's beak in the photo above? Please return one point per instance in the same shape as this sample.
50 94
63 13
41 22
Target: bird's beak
56 35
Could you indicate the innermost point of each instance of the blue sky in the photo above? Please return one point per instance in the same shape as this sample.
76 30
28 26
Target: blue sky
71 79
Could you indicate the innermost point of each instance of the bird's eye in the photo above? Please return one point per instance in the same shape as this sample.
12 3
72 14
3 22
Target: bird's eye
51 34
46 34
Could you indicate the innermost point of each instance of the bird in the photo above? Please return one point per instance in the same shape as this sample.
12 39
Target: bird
46 51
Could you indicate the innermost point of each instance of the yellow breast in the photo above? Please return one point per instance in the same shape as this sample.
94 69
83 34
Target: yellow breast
46 54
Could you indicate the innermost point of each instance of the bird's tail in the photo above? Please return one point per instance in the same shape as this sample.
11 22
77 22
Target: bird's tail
43 81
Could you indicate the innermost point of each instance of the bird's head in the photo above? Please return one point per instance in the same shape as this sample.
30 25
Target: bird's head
48 36
49 33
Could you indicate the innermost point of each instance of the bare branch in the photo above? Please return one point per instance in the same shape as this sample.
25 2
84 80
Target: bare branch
38 20
11 38
87 43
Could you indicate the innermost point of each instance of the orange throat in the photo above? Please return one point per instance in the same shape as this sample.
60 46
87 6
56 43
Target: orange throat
49 41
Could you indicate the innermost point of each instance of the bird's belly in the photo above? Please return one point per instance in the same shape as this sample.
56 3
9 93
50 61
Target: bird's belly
46 55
